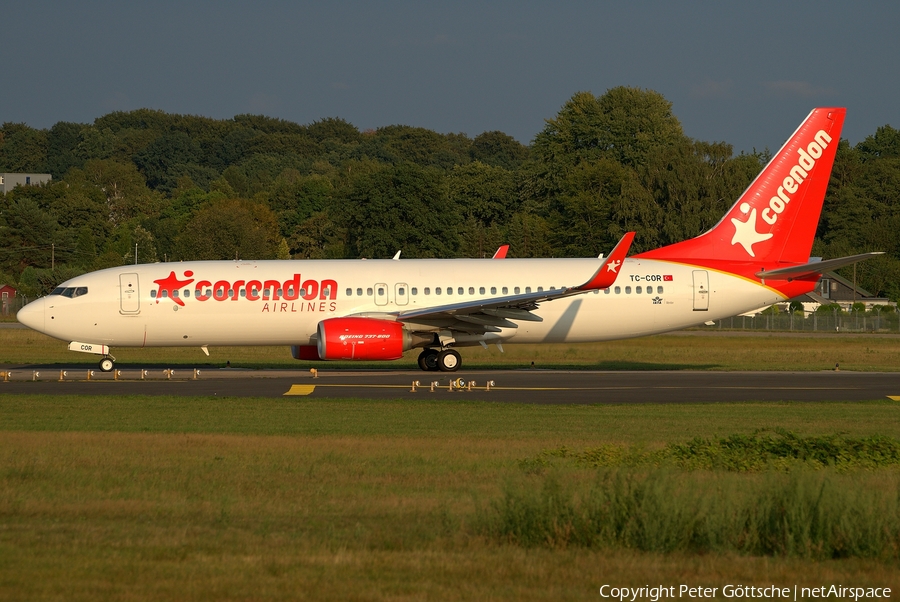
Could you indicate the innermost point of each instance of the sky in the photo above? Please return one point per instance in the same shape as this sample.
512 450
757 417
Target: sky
746 73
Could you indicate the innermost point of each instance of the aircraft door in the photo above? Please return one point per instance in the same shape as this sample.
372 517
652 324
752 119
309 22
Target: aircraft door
129 294
701 290
401 293
381 294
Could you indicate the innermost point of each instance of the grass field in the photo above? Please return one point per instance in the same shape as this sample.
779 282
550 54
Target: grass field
780 351
144 498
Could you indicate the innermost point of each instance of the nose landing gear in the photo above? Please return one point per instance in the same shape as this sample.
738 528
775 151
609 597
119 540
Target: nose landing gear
107 363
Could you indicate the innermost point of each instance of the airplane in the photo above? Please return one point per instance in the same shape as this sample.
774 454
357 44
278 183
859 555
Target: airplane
359 309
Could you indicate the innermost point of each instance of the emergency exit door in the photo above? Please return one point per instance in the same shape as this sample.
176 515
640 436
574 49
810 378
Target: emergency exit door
701 290
129 294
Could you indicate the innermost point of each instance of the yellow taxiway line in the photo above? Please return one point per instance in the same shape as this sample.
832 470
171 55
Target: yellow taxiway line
308 389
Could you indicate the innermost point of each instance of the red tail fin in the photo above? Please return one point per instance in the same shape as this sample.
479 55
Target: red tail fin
775 220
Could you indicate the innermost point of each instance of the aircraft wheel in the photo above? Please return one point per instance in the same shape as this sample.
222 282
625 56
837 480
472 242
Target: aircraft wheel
428 360
106 364
449 360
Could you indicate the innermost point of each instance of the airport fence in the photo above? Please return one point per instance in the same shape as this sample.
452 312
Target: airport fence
885 321
10 305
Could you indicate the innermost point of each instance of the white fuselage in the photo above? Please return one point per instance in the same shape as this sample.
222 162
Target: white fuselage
238 302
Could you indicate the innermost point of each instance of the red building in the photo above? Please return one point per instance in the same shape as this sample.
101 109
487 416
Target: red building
7 298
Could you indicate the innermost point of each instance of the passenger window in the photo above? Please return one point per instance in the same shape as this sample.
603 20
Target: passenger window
472 290
243 292
618 290
302 292
649 290
516 290
349 292
427 290
459 291
280 294
187 292
505 290
414 291
380 291
449 290
493 290
606 291
540 289
369 292
627 290
174 294
165 294
152 293
659 290
638 290
437 291
359 292
401 291
527 289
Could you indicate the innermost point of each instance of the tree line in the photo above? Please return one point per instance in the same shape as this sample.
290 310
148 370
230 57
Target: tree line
180 187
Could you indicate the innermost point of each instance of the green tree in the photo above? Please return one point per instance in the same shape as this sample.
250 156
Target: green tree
397 144
123 186
318 237
498 149
402 207
30 236
624 124
229 229
62 141
22 149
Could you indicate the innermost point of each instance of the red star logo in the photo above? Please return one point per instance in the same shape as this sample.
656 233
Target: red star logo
171 284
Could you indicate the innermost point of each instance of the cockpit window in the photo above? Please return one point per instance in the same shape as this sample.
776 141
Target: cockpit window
70 291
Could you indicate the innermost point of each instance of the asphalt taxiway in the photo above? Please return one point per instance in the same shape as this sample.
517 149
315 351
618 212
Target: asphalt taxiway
522 386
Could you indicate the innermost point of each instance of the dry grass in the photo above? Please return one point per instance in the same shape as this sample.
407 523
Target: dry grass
216 517
665 352
196 499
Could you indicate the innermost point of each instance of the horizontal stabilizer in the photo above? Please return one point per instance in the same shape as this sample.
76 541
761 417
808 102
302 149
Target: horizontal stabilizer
816 267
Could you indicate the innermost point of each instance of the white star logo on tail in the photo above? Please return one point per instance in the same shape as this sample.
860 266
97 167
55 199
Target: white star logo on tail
745 233
613 266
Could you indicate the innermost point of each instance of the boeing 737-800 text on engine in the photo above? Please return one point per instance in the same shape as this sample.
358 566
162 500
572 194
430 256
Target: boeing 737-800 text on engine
758 254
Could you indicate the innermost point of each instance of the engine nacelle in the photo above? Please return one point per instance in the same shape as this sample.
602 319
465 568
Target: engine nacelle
362 339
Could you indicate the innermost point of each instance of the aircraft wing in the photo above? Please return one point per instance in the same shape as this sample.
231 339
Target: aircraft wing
816 268
489 315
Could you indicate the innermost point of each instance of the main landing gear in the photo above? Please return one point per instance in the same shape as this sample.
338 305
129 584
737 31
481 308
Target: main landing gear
432 360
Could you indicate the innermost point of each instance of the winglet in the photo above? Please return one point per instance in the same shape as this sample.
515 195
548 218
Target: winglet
609 271
501 252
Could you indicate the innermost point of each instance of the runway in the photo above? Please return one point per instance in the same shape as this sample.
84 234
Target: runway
519 386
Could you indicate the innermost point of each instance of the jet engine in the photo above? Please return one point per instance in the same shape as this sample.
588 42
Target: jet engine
362 339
